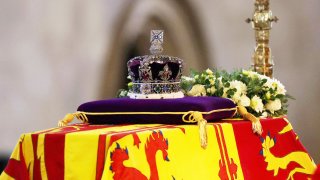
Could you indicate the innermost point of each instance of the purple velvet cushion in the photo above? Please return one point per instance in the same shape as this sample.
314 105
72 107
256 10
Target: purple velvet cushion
202 104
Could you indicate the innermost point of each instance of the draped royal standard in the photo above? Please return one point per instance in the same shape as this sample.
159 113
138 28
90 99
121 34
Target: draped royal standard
157 151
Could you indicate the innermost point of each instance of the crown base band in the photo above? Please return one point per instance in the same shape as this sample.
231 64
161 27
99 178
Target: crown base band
156 88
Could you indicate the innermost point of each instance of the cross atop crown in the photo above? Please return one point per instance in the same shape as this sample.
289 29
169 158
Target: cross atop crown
156 40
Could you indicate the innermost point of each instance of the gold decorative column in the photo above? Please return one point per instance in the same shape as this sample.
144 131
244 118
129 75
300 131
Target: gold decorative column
262 23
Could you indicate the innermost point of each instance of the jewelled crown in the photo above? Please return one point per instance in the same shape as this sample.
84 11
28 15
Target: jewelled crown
155 76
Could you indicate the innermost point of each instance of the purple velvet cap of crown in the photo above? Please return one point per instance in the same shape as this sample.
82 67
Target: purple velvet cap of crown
133 68
202 104
157 64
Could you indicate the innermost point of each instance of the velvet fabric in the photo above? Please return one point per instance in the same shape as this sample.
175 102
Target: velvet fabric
133 67
202 104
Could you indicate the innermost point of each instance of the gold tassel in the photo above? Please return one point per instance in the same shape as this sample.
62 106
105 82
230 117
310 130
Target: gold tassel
67 119
202 124
203 133
256 125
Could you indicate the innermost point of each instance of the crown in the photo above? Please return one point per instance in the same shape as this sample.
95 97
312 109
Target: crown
155 76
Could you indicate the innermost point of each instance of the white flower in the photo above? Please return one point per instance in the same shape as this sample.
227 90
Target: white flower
220 82
123 93
256 104
208 71
197 90
273 106
280 87
264 114
212 82
240 86
225 95
236 97
269 83
244 101
268 95
189 79
211 76
211 90
275 84
241 89
250 74
261 76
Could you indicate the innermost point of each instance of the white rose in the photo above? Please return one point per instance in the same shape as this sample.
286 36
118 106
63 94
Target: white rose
256 104
273 106
197 90
244 101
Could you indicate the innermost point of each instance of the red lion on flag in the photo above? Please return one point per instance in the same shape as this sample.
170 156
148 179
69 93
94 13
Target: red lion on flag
155 142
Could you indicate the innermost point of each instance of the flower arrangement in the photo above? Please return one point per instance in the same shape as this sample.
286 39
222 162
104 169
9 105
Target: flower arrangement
261 95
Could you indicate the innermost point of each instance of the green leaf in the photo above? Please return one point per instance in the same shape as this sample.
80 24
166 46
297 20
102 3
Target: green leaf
263 81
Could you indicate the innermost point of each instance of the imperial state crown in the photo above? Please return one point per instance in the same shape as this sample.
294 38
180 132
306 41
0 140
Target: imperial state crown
155 76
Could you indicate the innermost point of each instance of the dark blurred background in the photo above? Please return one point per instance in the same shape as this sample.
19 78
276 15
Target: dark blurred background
55 55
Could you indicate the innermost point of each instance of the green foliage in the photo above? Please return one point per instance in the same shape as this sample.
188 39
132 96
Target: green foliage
261 95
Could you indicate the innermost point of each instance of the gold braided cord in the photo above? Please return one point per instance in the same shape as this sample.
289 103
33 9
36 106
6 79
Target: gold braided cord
188 117
81 116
